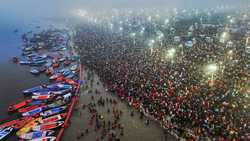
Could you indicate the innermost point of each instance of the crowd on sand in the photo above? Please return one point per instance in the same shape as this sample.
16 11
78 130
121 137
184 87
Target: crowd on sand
175 91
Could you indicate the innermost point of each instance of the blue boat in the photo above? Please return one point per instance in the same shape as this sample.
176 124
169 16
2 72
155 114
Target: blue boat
52 87
62 59
59 86
60 92
38 63
39 58
38 102
4 132
34 112
36 134
24 62
34 71
32 55
35 89
48 64
53 111
66 73
70 76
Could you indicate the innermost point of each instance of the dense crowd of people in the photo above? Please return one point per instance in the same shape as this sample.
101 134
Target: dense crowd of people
175 91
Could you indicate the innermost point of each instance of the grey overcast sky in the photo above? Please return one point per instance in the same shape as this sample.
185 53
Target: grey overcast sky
27 8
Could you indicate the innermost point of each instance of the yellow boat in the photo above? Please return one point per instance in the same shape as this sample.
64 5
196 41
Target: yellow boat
28 127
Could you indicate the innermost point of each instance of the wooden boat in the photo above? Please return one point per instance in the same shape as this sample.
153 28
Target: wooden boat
29 108
42 97
35 89
34 71
28 127
48 138
17 123
66 62
59 79
60 92
53 111
24 62
4 132
37 102
55 104
36 134
22 123
48 126
54 118
55 76
70 81
19 105
44 88
34 111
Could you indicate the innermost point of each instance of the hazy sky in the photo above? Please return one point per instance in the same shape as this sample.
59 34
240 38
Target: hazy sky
36 8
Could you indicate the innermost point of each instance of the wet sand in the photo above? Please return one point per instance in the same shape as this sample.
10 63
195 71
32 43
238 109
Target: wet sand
135 128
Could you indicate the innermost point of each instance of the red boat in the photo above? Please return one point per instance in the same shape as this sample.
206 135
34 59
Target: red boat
67 62
19 105
54 118
26 109
70 81
48 126
59 79
17 123
21 123
42 97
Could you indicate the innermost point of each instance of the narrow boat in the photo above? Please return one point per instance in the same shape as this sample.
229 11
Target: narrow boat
66 73
38 63
66 62
36 134
62 59
44 88
37 102
70 76
54 118
15 123
59 79
24 62
34 111
29 108
28 127
48 138
19 105
28 49
58 86
60 92
48 126
35 89
55 76
21 123
42 97
48 64
34 71
56 104
53 111
70 81
4 132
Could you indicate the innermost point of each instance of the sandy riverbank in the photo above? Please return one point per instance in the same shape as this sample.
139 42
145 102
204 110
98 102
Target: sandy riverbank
135 128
